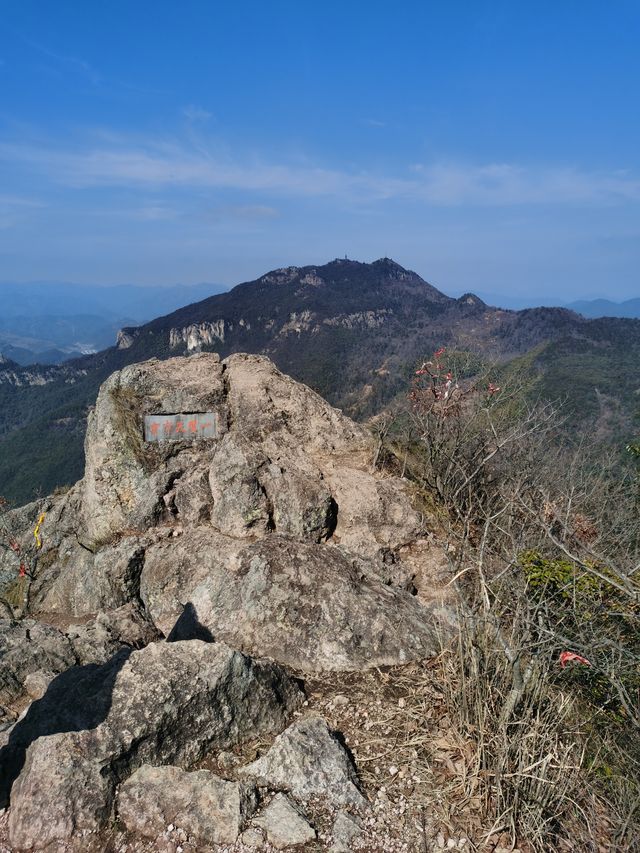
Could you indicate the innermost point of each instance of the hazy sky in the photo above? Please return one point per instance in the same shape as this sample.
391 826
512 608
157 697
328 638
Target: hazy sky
490 145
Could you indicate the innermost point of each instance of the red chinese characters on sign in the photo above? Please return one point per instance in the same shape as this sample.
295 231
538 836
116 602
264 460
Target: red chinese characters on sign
180 427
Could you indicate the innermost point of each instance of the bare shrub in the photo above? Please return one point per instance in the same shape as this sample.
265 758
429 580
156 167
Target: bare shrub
543 534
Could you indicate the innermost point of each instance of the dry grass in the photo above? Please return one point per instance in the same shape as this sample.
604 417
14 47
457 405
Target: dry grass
525 763
431 742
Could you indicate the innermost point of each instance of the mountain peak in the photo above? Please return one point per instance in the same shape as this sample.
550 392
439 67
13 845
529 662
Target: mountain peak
471 300
388 262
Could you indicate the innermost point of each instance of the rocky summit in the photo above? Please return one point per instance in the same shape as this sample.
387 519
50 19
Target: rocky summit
230 539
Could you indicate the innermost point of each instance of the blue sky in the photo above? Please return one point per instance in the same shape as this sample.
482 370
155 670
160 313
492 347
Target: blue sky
490 146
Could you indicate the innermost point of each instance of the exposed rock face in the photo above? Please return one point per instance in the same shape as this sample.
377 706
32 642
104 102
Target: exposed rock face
196 335
20 376
32 653
361 319
207 808
165 704
100 638
27 647
312 608
87 582
307 760
299 321
126 337
19 524
276 530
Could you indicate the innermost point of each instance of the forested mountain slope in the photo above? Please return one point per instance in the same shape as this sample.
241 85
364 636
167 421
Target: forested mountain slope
350 330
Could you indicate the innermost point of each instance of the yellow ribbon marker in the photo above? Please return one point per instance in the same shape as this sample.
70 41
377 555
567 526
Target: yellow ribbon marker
36 532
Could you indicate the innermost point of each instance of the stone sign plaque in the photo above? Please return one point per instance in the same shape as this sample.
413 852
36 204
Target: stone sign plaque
180 427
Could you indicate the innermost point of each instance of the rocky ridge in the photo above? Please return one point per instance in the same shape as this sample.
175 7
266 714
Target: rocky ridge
183 586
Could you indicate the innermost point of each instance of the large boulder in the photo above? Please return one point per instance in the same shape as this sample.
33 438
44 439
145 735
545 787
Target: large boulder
274 527
311 608
86 582
126 477
169 703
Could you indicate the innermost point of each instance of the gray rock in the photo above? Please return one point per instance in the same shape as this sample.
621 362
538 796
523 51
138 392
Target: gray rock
33 653
346 828
166 704
308 761
82 582
254 495
252 837
125 479
100 638
306 606
207 808
27 647
284 462
284 825
36 683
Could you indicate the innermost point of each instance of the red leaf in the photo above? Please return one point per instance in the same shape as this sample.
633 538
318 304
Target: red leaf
565 657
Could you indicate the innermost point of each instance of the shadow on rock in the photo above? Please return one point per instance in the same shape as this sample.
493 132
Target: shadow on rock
78 699
189 627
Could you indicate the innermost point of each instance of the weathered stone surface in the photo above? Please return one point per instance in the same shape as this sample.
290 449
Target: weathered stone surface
32 652
125 479
207 808
279 444
346 828
97 640
83 582
306 606
275 537
307 760
168 703
284 825
37 683
277 531
26 647
252 837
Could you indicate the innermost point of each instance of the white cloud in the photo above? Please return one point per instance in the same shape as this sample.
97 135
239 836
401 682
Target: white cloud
154 164
153 213
242 211
509 184
70 63
194 113
13 209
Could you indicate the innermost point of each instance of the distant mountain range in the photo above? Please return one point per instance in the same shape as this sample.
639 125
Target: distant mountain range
586 307
350 330
606 308
50 322
53 322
